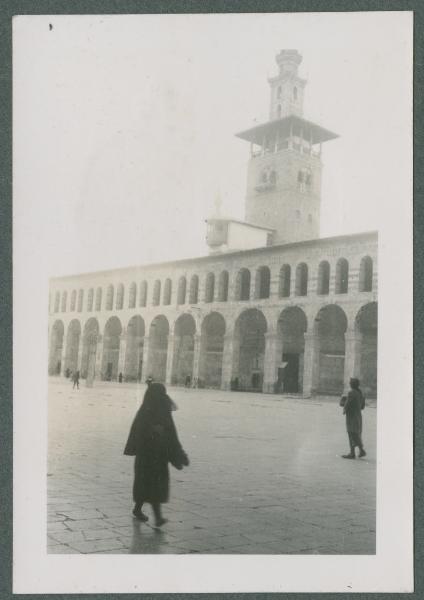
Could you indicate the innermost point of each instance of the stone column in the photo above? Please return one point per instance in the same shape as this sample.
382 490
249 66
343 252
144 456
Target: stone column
273 354
352 362
196 356
311 363
80 351
99 357
172 342
63 355
145 366
228 360
122 352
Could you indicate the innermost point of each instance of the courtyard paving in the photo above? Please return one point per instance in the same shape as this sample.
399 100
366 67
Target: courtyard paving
266 475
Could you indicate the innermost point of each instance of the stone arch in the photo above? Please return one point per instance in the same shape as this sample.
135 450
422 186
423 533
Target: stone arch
73 300
56 302
182 363
133 366
182 290
262 283
366 323
73 335
223 286
365 274
211 350
109 297
323 283
242 291
89 347
194 290
90 300
64 301
143 293
210 287
111 345
120 291
167 292
342 276
249 350
330 327
156 293
301 279
284 281
158 348
80 300
56 348
292 325
99 294
132 295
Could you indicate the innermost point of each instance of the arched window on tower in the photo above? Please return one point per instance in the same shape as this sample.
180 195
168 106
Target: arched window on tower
262 283
73 300
223 287
304 180
243 285
99 298
279 111
194 290
109 297
156 293
56 302
64 301
80 300
167 292
120 297
279 91
301 279
90 299
210 287
285 276
365 274
132 295
323 286
143 293
182 287
342 276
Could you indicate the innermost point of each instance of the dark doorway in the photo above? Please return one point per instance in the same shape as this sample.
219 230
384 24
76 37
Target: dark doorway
109 371
257 381
291 373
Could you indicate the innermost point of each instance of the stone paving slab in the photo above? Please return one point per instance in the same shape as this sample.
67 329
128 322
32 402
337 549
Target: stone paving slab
266 476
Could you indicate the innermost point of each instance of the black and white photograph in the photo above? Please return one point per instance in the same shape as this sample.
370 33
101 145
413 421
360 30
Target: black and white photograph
213 303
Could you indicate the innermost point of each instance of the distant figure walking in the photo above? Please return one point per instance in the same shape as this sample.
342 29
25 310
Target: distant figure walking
353 404
149 381
75 379
153 440
120 377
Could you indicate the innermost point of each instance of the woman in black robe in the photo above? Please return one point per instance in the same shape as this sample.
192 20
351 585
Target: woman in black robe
153 440
352 407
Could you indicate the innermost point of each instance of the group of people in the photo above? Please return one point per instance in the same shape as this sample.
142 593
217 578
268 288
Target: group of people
154 442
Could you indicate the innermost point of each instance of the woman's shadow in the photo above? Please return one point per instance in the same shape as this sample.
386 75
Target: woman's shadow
148 540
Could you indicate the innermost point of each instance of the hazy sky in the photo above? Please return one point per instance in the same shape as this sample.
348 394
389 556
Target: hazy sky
124 125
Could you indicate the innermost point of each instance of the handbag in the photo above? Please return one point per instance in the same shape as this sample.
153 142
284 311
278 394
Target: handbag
343 401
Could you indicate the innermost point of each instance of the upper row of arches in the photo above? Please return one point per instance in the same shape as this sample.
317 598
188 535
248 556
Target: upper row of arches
217 288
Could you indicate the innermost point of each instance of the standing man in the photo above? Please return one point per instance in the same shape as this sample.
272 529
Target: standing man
353 407
75 379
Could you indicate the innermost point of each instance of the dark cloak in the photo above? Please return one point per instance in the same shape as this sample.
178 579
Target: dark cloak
153 440
355 403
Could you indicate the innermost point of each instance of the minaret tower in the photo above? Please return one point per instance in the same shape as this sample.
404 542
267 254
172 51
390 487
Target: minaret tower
284 171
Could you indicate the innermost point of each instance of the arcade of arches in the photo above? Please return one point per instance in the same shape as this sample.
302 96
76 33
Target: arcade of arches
291 353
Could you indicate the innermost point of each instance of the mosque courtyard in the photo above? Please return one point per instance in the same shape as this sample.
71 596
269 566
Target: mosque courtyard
266 475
